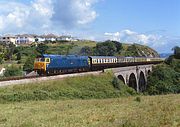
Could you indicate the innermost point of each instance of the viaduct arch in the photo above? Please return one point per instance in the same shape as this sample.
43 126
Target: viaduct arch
134 76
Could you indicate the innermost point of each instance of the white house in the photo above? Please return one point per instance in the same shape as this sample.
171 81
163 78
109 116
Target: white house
25 39
8 39
66 38
40 38
47 37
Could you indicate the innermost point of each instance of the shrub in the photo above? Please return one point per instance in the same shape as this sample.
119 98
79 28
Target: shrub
29 64
116 83
138 99
12 71
163 80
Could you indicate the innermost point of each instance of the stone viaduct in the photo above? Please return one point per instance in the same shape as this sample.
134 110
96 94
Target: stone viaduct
134 76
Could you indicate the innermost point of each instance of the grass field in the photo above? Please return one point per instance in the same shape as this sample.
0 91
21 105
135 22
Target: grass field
142 111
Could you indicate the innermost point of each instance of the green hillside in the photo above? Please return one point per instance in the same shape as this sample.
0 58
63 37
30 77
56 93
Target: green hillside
22 57
127 49
138 50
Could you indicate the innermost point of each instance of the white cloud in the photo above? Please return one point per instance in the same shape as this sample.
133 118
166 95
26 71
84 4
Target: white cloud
158 42
43 7
38 16
71 13
131 37
1 23
113 36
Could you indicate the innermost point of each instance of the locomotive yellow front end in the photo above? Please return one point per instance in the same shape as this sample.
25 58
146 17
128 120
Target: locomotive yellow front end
40 65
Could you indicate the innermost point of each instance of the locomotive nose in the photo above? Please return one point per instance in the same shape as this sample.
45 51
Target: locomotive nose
40 66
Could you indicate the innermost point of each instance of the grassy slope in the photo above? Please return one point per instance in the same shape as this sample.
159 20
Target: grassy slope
154 111
142 50
86 87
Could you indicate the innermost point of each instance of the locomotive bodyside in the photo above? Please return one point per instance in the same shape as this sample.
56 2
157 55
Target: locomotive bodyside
58 64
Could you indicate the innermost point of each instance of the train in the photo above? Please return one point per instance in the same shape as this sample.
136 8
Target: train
48 64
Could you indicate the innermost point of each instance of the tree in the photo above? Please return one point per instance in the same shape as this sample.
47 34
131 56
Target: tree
1 54
42 48
36 39
18 55
10 51
86 51
163 80
1 58
12 71
177 52
132 51
107 48
118 45
29 64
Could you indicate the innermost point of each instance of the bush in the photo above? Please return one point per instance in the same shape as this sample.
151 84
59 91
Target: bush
116 83
107 48
1 59
29 64
138 99
12 71
163 80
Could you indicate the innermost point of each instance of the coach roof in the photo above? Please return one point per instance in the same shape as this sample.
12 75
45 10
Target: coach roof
103 57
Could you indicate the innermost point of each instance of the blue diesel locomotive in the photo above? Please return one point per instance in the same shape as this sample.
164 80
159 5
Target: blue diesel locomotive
57 64
60 64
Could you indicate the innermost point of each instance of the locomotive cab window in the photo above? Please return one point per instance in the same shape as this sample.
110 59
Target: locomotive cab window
47 60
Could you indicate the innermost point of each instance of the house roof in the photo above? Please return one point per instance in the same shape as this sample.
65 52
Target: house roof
103 57
49 36
8 35
25 35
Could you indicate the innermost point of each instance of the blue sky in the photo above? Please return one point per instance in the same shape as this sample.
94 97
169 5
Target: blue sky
139 15
155 23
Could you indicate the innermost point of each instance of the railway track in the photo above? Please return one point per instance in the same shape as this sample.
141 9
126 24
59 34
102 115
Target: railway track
33 79
17 78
